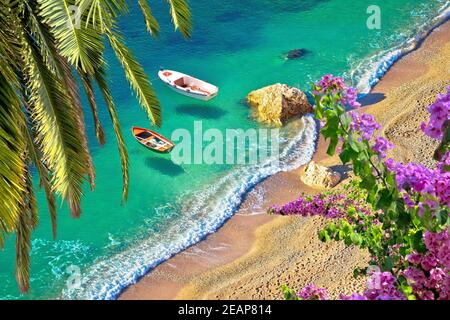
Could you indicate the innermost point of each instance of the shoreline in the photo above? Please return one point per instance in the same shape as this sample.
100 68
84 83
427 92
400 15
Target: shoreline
227 262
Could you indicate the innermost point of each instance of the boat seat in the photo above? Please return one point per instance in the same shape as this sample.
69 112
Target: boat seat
180 82
196 88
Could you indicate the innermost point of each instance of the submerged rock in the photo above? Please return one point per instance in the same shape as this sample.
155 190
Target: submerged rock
295 54
319 176
277 103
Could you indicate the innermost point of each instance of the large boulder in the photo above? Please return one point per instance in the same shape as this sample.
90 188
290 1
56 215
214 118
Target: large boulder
277 103
319 176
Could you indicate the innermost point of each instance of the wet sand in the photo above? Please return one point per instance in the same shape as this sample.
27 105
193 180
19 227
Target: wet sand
253 254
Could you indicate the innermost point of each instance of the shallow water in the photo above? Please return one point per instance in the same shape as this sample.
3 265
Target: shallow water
239 46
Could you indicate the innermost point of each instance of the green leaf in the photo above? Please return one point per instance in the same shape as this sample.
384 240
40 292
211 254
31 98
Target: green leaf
346 119
388 265
332 146
288 293
347 154
356 239
417 241
324 236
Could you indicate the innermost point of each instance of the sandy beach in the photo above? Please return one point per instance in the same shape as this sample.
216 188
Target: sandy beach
253 254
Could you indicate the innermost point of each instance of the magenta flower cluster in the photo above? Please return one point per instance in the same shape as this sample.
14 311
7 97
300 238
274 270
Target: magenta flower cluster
381 146
350 96
440 113
380 286
311 292
433 184
429 272
318 205
326 205
332 85
365 124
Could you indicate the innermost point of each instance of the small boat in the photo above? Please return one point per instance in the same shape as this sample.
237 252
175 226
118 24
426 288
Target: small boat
152 140
188 86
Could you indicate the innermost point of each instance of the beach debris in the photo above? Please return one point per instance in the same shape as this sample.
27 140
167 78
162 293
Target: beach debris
315 175
277 103
295 54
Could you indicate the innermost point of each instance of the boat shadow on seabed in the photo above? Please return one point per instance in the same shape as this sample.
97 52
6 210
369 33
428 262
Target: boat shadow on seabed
163 165
209 112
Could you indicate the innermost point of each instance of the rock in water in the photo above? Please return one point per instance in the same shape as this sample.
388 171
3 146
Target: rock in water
277 103
319 176
295 54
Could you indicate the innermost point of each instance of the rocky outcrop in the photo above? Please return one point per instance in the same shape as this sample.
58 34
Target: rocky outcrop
295 54
319 176
277 103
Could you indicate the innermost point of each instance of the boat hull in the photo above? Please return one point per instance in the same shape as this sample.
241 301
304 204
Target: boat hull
169 144
188 86
191 94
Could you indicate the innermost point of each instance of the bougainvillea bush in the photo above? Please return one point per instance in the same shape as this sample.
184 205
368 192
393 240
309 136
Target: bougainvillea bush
398 212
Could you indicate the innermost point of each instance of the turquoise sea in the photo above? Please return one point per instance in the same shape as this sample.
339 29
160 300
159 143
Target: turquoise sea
237 45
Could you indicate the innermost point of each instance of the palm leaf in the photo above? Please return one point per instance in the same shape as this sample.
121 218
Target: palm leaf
136 76
9 46
25 224
62 70
150 21
99 77
44 175
72 90
181 16
41 35
55 124
82 46
12 164
100 13
92 103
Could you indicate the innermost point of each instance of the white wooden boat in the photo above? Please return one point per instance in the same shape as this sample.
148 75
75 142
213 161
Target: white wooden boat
187 85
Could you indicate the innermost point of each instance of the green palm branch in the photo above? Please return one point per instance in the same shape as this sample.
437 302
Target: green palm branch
45 46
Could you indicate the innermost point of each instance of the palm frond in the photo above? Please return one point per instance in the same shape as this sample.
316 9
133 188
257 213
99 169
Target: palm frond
150 21
181 16
12 163
86 81
26 222
81 46
55 124
72 89
41 35
99 77
9 46
136 76
44 175
98 13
